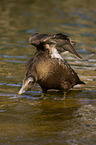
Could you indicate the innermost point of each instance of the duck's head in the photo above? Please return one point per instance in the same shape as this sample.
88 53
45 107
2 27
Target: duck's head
28 83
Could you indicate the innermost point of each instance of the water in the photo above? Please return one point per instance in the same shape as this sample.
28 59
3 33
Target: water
28 119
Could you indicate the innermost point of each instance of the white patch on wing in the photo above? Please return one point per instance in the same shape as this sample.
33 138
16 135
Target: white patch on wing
53 51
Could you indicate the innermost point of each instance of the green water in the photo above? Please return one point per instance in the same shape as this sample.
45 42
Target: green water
28 119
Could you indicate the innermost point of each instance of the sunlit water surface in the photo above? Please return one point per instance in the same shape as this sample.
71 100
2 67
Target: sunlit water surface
28 119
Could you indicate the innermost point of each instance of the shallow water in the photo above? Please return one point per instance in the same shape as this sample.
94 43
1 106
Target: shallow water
29 119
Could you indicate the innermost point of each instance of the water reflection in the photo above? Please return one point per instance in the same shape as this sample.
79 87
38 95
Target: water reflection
28 118
47 121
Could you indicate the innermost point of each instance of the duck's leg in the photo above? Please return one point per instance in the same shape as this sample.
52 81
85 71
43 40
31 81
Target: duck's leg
43 94
66 87
64 95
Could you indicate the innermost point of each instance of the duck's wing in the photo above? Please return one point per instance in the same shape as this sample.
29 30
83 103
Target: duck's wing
61 42
35 39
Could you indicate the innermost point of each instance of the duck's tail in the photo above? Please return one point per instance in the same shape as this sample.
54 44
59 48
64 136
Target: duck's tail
81 82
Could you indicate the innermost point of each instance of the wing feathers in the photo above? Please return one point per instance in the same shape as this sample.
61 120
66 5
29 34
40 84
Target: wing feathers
60 41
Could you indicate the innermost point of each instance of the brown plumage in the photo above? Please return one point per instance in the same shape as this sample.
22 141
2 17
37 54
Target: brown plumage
47 67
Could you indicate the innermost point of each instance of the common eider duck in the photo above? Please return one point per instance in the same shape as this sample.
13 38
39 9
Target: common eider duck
47 67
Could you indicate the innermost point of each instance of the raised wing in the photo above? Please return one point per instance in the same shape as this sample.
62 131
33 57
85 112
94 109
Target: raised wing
61 42
35 39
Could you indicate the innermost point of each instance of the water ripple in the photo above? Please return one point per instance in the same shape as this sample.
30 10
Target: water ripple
14 61
9 56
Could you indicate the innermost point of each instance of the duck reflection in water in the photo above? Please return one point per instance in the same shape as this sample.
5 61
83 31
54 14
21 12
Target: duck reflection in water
47 67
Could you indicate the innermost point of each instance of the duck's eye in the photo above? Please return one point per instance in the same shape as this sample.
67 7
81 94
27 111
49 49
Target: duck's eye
29 82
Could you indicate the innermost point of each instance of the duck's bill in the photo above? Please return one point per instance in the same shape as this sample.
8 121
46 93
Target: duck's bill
22 90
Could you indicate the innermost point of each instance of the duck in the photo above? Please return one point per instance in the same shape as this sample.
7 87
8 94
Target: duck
47 67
